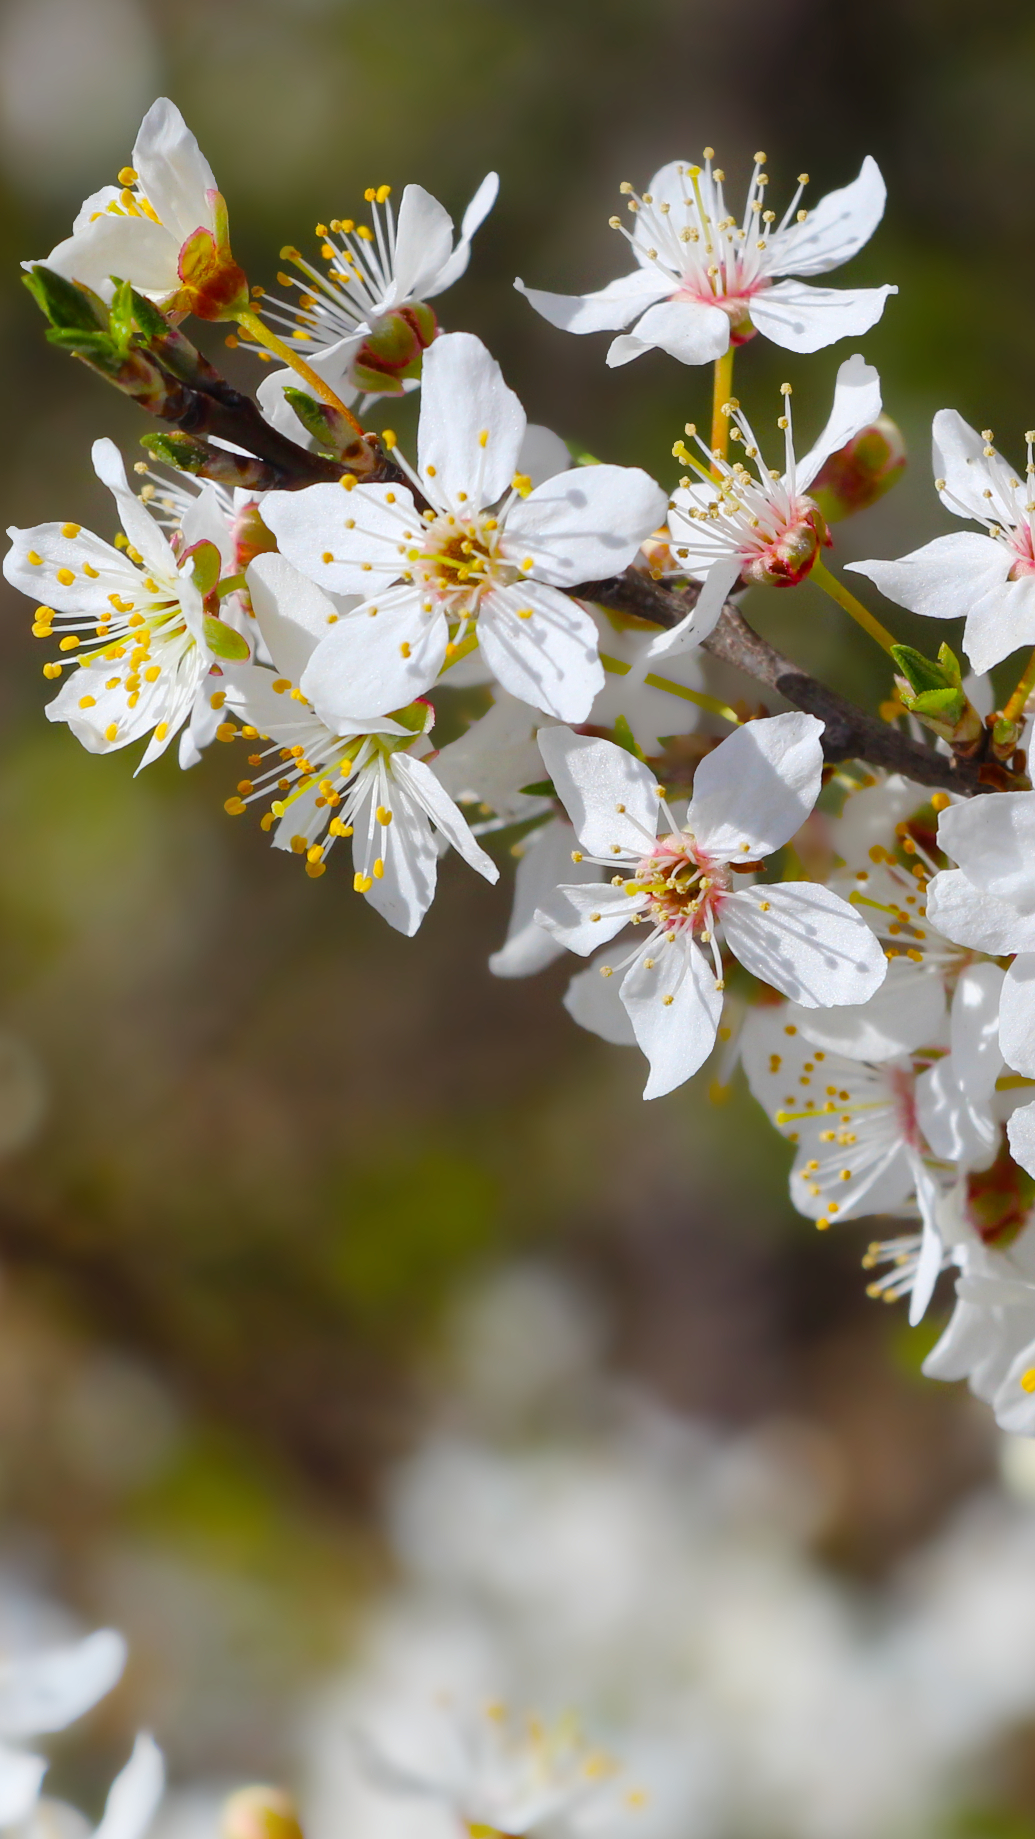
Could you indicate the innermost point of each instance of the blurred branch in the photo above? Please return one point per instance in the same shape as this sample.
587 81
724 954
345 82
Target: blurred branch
850 733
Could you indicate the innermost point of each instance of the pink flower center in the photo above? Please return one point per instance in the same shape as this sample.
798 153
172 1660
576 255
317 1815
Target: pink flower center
684 885
784 555
1021 544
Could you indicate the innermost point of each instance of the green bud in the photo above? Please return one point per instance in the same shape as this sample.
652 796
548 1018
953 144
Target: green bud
224 641
328 427
184 451
857 475
66 305
932 690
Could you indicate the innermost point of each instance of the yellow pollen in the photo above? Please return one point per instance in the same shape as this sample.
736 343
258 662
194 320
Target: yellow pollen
1028 1379
37 561
65 576
384 816
111 731
70 530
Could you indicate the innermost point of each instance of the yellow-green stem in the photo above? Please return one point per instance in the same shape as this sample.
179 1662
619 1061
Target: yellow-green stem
1015 707
700 697
863 617
722 390
252 324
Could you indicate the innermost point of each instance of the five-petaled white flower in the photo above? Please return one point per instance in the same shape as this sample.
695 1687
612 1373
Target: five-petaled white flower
45 1691
988 580
330 781
163 228
750 797
488 558
765 528
365 323
150 653
703 280
987 903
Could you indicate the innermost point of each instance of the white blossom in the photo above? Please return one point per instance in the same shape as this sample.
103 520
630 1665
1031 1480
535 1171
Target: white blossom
750 797
761 526
42 1692
489 558
702 280
364 323
989 580
131 615
329 782
151 229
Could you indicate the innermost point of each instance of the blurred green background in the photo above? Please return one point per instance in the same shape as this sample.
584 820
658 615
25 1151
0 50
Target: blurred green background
280 1139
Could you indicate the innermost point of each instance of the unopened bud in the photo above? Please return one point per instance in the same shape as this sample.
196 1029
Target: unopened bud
857 475
260 1813
393 352
932 690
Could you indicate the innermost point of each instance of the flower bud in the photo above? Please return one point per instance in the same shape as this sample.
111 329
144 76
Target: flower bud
260 1813
932 690
857 475
213 285
394 351
787 560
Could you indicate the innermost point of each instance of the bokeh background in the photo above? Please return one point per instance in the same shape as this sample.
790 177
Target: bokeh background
263 1149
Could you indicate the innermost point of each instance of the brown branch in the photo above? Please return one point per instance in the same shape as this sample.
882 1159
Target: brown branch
850 733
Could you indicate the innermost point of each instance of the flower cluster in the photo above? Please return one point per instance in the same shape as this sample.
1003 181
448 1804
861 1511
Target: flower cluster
847 904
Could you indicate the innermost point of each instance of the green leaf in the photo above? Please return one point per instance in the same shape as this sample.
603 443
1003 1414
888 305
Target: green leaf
624 737
923 674
176 449
539 788
65 305
224 642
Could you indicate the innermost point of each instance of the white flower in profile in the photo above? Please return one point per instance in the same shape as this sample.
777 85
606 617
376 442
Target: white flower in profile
987 903
872 1135
163 228
487 560
365 323
329 780
703 280
751 795
762 525
132 616
990 1339
43 1692
989 580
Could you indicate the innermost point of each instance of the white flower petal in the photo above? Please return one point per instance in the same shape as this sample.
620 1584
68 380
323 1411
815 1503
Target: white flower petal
975 1030
958 457
758 787
687 329
423 245
804 940
360 670
956 1130
610 796
360 531
405 891
47 1691
944 578
474 216
678 1035
549 659
584 525
542 454
1020 1132
546 863
133 248
993 841
143 532
610 307
86 594
703 616
331 364
801 318
497 755
134 1794
834 230
584 918
21 1777
1017 1014
293 613
595 1002
471 425
932 1251
857 403
906 1012
971 917
999 621
433 798
174 174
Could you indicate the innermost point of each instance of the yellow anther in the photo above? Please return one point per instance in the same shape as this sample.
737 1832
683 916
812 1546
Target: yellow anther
111 731
1028 1379
127 176
390 439
234 807
315 852
362 884
68 643
65 576
379 869
280 684
384 816
70 530
226 731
